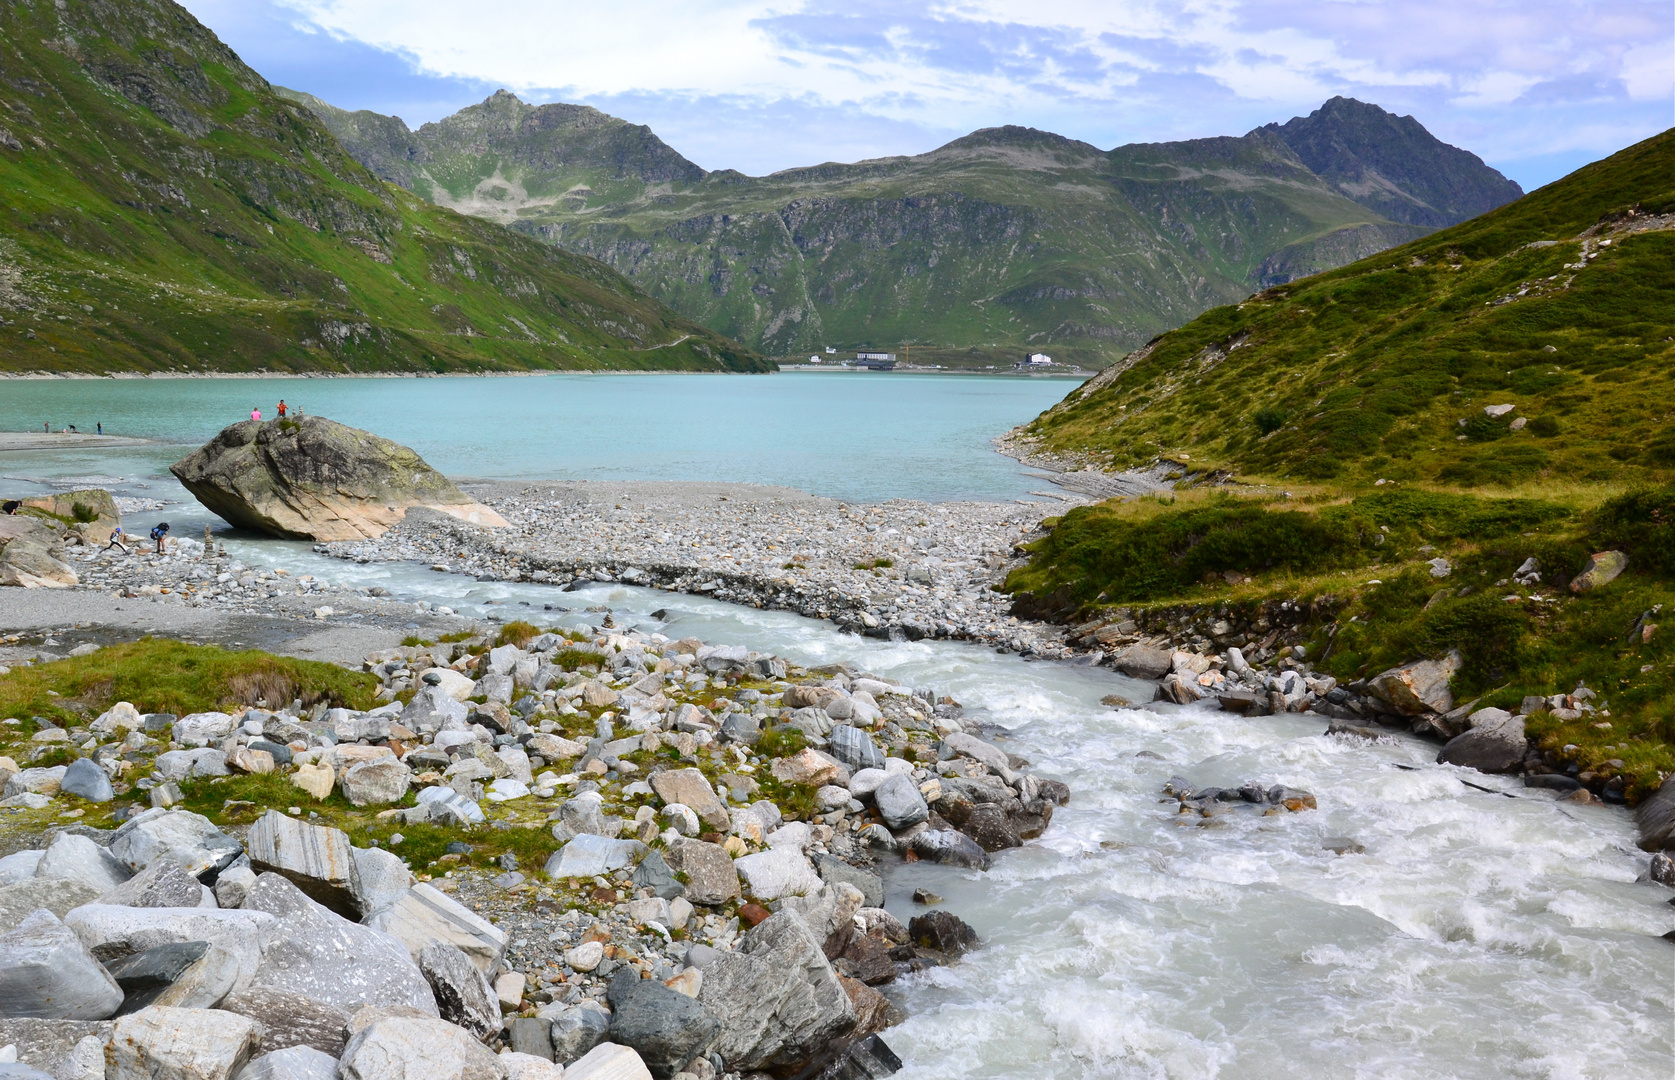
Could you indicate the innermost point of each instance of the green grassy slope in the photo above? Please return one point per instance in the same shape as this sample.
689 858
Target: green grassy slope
1004 240
1561 304
166 211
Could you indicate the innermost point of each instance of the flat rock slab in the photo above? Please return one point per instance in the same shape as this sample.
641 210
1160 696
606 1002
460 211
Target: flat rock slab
163 884
412 1048
588 855
312 951
780 872
424 914
318 860
46 971
181 1044
462 991
184 975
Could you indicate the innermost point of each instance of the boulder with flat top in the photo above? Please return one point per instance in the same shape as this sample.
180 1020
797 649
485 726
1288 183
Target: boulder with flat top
309 478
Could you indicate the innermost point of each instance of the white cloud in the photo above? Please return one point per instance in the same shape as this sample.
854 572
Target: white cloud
1103 70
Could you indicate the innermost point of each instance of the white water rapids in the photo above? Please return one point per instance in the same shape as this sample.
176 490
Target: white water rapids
1477 935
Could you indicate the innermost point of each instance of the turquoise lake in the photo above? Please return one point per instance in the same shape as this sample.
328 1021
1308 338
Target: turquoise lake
850 435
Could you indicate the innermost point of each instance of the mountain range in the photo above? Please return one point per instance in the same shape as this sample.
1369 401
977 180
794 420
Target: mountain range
165 210
1006 239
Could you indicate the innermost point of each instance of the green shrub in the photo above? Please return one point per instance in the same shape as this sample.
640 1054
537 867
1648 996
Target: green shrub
1641 523
781 741
572 659
519 633
1269 419
83 513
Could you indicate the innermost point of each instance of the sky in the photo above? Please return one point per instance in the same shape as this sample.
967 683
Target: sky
1536 88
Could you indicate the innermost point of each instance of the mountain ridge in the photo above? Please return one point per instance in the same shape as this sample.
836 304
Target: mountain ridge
167 212
1004 239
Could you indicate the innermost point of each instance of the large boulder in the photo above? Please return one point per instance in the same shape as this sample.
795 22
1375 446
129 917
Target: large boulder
32 555
291 1019
110 931
190 840
1656 818
76 858
417 1048
463 994
711 877
315 858
291 1063
315 479
423 915
60 1049
665 1027
162 1043
690 788
1418 688
779 1001
183 974
1495 743
313 952
46 971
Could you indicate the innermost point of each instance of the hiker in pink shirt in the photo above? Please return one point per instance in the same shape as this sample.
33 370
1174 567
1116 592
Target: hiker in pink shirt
255 414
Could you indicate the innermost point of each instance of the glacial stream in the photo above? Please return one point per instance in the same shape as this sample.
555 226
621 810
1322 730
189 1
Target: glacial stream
1480 934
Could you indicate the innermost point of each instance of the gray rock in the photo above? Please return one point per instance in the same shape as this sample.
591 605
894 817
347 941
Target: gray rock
690 788
577 1030
314 952
1496 745
446 806
855 748
592 856
176 765
375 783
425 914
1655 817
710 875
318 860
162 1043
608 1061
201 729
383 879
833 870
942 931
899 802
991 828
777 873
184 974
85 778
19 866
1662 869
531 1035
868 1059
56 896
496 688
233 885
1417 688
14 1071
779 1001
582 814
666 1028
110 932
189 839
76 858
291 1019
431 709
653 873
163 884
417 1048
291 1063
977 750
64 1049
741 728
463 994
1143 662
830 914
949 848
42 781
46 971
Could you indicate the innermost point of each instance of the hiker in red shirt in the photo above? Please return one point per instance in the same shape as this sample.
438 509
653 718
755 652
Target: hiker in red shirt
281 408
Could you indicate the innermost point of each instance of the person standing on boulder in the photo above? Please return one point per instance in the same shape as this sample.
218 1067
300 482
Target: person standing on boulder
256 413
281 409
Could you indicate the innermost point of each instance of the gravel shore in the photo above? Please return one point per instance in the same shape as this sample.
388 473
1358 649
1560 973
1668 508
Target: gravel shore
895 569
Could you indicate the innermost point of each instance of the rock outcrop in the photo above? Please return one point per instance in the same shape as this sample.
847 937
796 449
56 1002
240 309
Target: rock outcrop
315 479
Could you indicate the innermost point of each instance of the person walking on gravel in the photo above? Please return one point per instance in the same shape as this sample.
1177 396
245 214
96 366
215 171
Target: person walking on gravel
116 541
160 531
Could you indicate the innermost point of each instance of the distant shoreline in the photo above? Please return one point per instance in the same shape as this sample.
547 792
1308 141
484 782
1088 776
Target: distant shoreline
49 376
73 440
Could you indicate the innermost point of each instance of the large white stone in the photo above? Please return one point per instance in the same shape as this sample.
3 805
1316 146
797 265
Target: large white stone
76 858
201 729
770 875
608 1061
453 683
292 1063
19 866
423 914
162 1043
315 858
121 715
414 1048
590 856
384 878
46 971
18 901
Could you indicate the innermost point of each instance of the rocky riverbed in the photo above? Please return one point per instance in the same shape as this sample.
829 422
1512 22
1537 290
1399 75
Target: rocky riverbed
901 568
710 904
